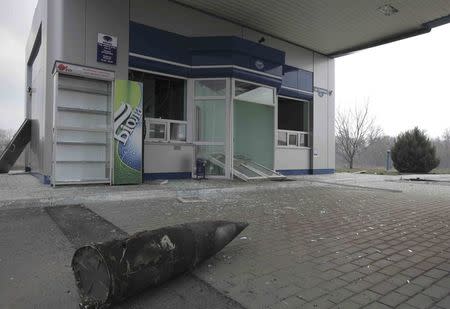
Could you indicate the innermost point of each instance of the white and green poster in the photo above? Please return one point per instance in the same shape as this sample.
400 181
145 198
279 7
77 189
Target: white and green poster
127 133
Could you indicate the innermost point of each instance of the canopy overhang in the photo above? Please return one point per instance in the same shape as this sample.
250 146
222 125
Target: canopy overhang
331 27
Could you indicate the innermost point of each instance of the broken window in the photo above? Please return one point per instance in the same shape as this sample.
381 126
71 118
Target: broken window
164 104
164 97
293 122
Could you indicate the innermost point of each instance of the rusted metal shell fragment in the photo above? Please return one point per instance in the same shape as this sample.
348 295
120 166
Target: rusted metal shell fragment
109 272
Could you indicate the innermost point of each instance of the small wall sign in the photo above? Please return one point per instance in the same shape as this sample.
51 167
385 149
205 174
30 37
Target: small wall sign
106 48
259 64
83 71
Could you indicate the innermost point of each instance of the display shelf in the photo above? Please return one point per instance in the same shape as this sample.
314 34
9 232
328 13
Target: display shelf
106 130
83 89
81 143
82 110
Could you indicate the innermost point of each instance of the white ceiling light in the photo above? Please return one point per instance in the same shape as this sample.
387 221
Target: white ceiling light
388 10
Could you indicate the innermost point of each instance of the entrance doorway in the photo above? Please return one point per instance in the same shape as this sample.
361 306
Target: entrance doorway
253 131
234 128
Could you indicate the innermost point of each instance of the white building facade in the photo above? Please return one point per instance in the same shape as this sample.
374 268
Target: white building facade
245 102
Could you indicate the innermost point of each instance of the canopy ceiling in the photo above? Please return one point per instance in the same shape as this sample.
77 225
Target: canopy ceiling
331 27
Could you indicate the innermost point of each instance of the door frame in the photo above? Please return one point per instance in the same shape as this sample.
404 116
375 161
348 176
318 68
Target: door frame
275 118
191 94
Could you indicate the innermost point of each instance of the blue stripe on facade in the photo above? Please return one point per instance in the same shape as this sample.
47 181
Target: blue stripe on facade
297 78
305 80
180 175
157 43
295 94
220 50
204 51
265 80
306 172
157 66
323 171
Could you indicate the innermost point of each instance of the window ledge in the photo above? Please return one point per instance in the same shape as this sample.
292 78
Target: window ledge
175 143
294 147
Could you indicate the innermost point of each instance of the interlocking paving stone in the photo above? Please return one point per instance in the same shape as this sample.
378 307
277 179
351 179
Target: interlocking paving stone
347 305
393 299
436 292
444 303
436 273
304 238
376 305
410 289
399 279
352 276
311 294
383 288
420 301
292 302
423 281
320 303
376 277
358 286
405 306
339 295
365 297
444 282
413 272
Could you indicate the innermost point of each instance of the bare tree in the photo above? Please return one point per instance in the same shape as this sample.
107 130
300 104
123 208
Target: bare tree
355 131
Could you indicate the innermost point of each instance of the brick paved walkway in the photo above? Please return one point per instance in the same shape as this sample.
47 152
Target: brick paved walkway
311 245
318 246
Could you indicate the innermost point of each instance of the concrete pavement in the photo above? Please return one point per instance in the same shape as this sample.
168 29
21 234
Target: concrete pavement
341 241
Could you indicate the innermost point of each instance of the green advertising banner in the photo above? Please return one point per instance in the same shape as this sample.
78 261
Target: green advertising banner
127 133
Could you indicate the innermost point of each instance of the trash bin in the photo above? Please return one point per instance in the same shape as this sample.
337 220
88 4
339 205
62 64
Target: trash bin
201 169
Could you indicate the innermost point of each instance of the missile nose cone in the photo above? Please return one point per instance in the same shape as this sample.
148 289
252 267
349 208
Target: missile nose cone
226 232
240 226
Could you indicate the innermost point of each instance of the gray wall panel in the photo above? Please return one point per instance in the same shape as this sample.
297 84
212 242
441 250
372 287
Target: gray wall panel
331 109
173 17
161 158
292 158
320 117
109 17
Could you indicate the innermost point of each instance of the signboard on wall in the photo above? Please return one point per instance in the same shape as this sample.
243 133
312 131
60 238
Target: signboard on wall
106 48
82 71
127 150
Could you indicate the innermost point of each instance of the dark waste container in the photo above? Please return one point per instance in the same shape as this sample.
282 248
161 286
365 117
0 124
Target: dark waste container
201 168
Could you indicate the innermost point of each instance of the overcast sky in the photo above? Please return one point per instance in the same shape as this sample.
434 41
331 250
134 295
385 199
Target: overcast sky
406 82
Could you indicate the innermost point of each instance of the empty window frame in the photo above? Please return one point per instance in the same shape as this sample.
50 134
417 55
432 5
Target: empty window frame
164 130
164 97
293 123
164 103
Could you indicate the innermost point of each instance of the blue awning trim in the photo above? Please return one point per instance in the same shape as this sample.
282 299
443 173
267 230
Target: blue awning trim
156 66
165 68
235 56
200 56
296 94
297 78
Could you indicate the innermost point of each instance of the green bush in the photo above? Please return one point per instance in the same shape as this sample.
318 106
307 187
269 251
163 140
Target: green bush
413 152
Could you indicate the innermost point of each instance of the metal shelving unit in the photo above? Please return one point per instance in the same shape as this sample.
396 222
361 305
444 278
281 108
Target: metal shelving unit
81 130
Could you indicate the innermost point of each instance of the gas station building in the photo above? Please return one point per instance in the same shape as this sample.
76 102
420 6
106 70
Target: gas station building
122 91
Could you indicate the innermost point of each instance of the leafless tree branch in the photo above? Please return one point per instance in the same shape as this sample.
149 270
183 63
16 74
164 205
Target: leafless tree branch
355 131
